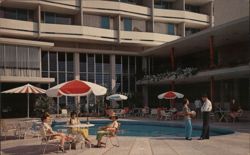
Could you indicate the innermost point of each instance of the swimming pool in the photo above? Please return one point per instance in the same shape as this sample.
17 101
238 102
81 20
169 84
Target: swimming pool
148 129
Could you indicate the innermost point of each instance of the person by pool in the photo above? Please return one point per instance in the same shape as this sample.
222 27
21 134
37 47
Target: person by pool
83 131
110 129
187 116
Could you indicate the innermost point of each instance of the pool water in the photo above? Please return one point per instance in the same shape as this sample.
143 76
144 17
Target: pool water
148 129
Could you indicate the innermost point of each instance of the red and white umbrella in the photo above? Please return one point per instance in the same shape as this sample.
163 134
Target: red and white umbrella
26 89
170 95
76 88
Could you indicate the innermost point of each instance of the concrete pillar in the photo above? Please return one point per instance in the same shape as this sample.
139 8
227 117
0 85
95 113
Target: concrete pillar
145 95
181 29
172 59
39 20
77 77
112 73
211 13
211 50
212 89
118 26
152 16
81 12
144 64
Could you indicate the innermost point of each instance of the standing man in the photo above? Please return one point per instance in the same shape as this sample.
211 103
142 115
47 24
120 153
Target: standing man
205 109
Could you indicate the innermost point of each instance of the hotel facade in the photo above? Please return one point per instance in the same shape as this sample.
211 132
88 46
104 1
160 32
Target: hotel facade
109 42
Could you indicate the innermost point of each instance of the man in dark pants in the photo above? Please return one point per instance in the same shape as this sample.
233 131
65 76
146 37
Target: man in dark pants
205 109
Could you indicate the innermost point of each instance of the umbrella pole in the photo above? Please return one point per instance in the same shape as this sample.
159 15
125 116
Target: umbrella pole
88 109
28 106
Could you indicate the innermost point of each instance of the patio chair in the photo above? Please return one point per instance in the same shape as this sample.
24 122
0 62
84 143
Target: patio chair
7 129
48 140
153 113
165 115
113 135
64 113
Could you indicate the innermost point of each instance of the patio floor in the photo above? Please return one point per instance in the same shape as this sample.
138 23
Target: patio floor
234 144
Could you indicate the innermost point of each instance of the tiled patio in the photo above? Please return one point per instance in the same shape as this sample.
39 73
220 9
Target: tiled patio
234 144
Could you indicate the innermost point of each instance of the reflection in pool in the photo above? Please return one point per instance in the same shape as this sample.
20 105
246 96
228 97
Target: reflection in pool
148 129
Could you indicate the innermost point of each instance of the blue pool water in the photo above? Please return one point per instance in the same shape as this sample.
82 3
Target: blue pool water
148 129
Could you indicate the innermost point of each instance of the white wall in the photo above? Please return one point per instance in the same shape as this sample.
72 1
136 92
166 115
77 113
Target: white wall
228 10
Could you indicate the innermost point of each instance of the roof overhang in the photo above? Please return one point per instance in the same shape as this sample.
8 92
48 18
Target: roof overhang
43 45
205 76
15 79
229 33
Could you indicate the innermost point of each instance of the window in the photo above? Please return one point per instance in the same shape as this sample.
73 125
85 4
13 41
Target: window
82 62
171 29
61 61
192 8
63 19
189 31
22 14
10 13
105 22
49 17
162 4
127 24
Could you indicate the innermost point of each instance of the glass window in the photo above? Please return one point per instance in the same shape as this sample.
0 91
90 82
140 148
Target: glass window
62 19
61 61
132 65
106 63
82 62
127 24
10 13
10 56
105 22
192 8
31 15
22 14
45 61
98 60
132 83
118 64
45 74
83 76
70 64
91 62
99 79
125 64
125 84
70 76
91 77
49 17
171 29
62 77
53 61
107 81
1 55
53 75
118 83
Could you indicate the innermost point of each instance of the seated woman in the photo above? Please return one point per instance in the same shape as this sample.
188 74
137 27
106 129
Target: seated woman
49 133
83 131
235 110
110 129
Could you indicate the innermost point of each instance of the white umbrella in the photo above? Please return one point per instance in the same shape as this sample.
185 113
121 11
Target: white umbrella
76 88
26 89
170 95
116 97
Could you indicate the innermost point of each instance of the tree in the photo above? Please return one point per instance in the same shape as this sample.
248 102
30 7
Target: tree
44 104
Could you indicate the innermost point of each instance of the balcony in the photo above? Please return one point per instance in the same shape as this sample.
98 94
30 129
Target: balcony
146 38
18 27
191 18
116 8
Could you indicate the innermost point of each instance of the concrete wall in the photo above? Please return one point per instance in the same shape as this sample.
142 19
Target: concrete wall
228 10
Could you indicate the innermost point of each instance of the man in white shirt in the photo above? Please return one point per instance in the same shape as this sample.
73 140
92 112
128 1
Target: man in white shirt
205 109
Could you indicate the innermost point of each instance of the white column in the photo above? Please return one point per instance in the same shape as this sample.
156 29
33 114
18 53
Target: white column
112 73
77 75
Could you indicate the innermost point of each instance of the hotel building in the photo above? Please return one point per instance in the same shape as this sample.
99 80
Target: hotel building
109 42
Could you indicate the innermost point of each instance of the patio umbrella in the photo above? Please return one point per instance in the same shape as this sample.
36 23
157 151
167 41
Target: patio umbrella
26 89
76 88
170 95
116 97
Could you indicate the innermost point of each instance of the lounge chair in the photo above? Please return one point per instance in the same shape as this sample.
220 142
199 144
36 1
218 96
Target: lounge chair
165 115
7 129
64 113
113 135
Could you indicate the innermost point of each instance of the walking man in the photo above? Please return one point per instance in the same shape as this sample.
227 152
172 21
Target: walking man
205 109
